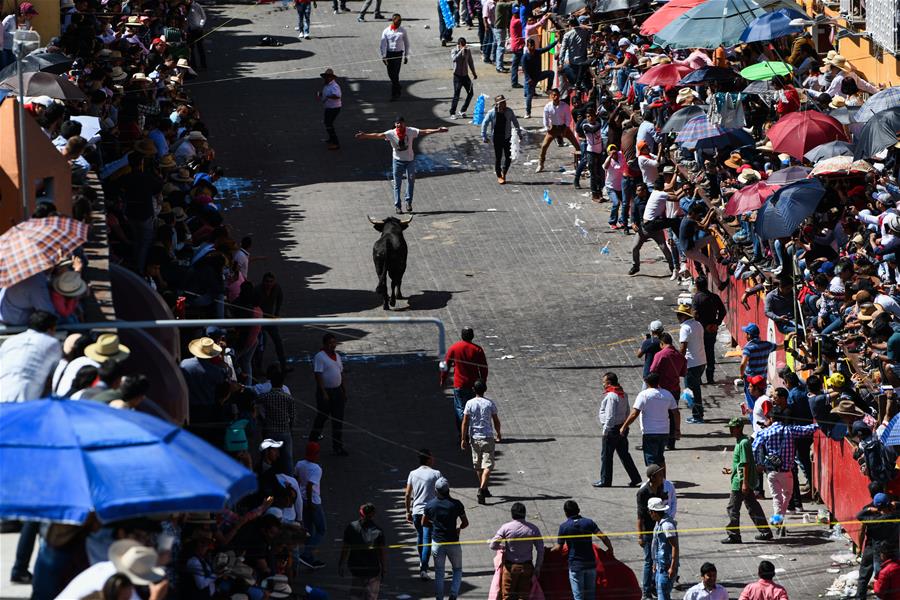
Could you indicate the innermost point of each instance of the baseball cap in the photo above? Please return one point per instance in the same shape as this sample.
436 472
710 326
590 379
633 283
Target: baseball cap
735 422
215 333
442 485
656 326
751 329
756 380
27 8
584 19
624 42
881 499
827 267
270 443
860 427
653 470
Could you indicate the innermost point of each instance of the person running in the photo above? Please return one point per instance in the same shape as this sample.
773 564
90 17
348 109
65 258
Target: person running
480 429
419 492
652 226
577 533
446 517
394 49
499 124
401 139
744 479
557 116
518 568
330 96
363 551
613 411
462 60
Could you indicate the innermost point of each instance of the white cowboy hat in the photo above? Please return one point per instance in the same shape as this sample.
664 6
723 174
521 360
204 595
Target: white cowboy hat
657 505
136 561
685 95
204 348
107 347
69 284
749 176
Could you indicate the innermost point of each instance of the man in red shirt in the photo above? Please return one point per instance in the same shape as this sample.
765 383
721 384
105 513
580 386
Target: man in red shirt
469 365
671 366
887 584
764 588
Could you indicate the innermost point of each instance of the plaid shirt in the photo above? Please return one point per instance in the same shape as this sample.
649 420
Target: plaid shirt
278 409
779 439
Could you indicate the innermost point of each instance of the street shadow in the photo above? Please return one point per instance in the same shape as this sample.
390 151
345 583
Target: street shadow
431 213
430 299
591 367
508 440
704 495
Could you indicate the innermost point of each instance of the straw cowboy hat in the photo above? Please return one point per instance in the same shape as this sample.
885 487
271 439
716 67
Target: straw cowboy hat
204 348
118 74
749 176
167 162
69 284
848 409
867 312
684 309
277 586
840 62
107 347
735 160
838 102
767 147
184 64
196 136
685 95
135 561
182 176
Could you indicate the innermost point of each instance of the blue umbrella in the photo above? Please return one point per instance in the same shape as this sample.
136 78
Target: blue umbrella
772 26
710 25
708 74
63 459
698 134
782 214
883 100
891 434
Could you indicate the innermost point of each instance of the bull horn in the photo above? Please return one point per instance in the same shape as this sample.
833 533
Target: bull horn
374 222
407 220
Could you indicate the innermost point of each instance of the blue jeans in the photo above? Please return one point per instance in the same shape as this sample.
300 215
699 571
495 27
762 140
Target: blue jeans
618 200
442 553
25 547
314 521
399 167
833 323
647 582
514 67
460 397
582 163
487 46
499 46
531 86
303 13
423 542
693 380
663 585
584 583
654 446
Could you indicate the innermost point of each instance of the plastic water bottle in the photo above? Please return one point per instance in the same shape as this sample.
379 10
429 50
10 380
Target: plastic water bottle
547 198
478 112
687 396
605 249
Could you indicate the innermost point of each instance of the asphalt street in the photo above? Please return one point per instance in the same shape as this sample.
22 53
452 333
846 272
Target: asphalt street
553 312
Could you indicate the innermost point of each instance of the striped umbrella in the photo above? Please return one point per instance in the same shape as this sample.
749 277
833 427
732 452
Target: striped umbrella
698 128
36 245
876 103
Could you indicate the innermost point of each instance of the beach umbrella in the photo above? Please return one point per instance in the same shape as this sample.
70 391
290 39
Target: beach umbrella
681 116
829 150
841 165
789 175
771 26
879 132
799 132
883 100
48 62
666 14
710 25
765 71
708 75
749 198
117 463
668 74
786 209
35 245
39 83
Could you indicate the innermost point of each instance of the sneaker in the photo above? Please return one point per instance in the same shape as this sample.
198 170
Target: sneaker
336 11
517 85
633 484
695 421
461 115
634 270
673 275
23 578
423 575
527 115
398 210
600 484
300 37
307 561
539 169
378 16
454 116
361 19
409 207
615 226
732 540
306 36
763 537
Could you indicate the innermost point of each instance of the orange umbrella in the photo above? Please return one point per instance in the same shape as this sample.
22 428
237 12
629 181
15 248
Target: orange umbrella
665 15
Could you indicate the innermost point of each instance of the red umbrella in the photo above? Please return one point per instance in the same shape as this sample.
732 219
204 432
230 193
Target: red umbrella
665 15
665 74
799 132
749 198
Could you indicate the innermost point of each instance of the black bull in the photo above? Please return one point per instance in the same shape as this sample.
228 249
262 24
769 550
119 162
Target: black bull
389 255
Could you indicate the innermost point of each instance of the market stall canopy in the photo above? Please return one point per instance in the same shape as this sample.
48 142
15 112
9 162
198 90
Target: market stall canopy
117 463
710 25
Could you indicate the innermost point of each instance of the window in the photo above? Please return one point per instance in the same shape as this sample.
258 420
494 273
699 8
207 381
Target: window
882 23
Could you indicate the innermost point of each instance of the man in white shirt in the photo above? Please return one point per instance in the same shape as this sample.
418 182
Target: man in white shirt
419 491
654 405
613 412
394 48
330 96
707 589
480 428
648 164
27 359
129 557
401 139
331 396
841 70
651 227
691 338
557 117
308 474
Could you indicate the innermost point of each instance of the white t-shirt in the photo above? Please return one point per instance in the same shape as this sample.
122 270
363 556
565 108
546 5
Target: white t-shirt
649 169
329 369
89 581
760 406
331 89
655 404
422 481
295 512
404 152
656 206
480 411
309 472
889 304
67 376
692 333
